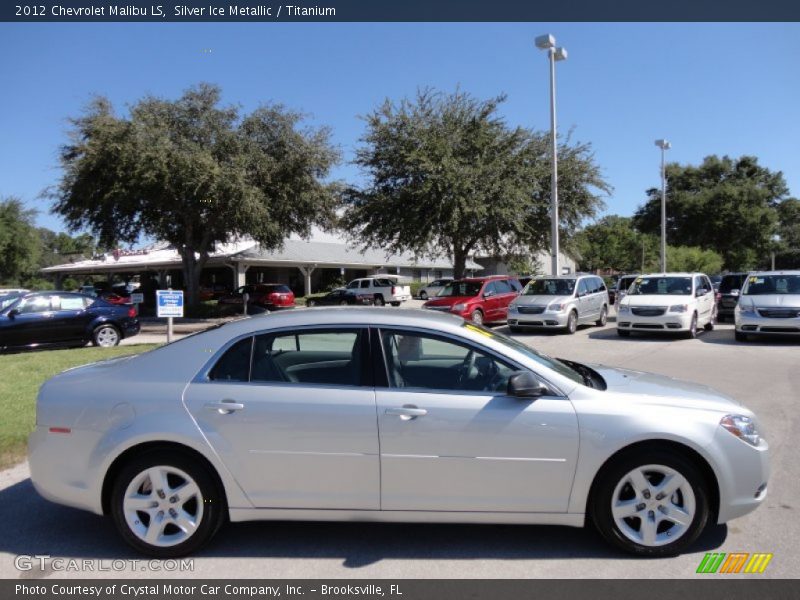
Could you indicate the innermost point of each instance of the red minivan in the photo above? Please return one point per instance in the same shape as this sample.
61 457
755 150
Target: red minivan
477 299
271 296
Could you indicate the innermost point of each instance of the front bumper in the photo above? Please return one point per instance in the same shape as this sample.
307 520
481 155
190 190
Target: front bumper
742 474
666 323
754 324
543 320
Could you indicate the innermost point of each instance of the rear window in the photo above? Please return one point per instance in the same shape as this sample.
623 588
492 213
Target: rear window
461 288
731 282
282 289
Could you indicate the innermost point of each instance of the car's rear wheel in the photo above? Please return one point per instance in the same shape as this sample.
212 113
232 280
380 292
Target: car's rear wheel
572 323
601 322
423 295
106 336
166 505
311 302
343 303
477 317
395 304
711 321
653 503
379 300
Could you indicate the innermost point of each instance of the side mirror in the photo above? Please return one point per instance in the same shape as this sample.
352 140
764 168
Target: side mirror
13 313
524 384
488 294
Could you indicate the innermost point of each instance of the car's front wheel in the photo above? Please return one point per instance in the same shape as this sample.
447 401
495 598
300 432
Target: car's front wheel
692 332
653 503
166 505
477 317
106 336
711 321
572 323
601 322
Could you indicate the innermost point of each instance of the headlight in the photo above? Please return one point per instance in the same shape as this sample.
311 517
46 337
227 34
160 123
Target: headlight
679 308
556 307
746 309
458 307
624 308
512 306
742 427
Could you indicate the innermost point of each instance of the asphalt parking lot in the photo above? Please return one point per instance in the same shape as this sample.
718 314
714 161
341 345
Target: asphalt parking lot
764 375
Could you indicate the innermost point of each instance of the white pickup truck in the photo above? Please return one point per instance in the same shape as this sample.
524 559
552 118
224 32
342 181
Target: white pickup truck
384 288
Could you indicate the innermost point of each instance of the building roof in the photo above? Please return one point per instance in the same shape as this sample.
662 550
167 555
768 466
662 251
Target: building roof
294 252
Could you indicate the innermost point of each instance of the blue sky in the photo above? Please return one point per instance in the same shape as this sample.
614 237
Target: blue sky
709 88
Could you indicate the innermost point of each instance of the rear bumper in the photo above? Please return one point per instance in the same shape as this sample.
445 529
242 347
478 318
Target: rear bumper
131 328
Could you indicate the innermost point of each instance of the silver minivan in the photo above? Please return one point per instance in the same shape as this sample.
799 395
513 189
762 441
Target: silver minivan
560 303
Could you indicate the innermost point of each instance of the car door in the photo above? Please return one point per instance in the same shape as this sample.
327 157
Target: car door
702 292
585 310
505 294
490 302
70 318
292 415
451 439
28 322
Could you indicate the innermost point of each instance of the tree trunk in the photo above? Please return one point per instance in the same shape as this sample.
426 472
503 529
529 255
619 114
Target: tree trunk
192 268
459 263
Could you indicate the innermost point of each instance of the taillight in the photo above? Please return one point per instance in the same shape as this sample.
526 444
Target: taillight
132 312
393 291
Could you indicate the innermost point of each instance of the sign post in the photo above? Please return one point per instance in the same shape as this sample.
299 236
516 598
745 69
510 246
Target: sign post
169 304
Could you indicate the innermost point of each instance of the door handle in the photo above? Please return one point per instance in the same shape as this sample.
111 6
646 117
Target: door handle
225 407
407 412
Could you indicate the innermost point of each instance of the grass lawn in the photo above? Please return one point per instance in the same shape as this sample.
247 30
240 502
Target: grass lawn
20 378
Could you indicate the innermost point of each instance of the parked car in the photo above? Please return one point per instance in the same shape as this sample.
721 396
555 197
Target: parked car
434 287
728 294
385 289
668 302
560 303
769 304
477 299
274 418
716 280
214 292
50 319
9 291
341 298
272 296
88 290
114 297
623 284
9 298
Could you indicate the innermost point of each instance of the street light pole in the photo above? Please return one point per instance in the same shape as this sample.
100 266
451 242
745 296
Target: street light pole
548 42
664 145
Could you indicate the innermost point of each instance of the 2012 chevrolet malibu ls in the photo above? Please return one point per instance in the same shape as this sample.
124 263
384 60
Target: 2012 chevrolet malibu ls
385 415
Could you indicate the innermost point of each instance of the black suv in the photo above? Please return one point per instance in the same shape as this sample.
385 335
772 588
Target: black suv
728 295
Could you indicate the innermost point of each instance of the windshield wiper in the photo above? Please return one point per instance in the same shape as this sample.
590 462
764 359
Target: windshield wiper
585 372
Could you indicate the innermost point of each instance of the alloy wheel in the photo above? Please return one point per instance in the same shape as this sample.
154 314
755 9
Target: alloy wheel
106 336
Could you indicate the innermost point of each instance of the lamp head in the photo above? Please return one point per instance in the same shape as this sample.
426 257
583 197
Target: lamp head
545 42
663 144
560 54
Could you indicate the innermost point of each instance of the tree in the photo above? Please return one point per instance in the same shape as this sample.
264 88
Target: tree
194 173
613 243
447 175
727 205
19 243
788 246
688 258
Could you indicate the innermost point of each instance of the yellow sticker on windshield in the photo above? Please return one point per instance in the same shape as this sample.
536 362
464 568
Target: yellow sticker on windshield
752 280
638 280
477 329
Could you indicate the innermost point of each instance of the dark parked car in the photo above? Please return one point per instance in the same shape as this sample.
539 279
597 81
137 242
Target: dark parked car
478 299
50 319
728 296
271 296
114 297
341 298
621 288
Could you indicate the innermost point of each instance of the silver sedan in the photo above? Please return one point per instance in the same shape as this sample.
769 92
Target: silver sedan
374 414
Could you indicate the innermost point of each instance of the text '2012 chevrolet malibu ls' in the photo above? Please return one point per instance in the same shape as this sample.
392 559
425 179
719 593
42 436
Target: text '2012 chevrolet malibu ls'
352 414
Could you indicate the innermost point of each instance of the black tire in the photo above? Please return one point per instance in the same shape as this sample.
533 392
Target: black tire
379 301
477 317
692 333
572 323
395 304
740 337
616 472
423 295
214 507
623 332
601 322
106 336
343 303
514 329
311 302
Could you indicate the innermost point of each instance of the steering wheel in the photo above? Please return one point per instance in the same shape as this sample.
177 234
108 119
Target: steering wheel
466 368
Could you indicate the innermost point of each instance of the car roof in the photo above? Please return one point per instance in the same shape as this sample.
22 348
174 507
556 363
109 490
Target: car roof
671 274
789 272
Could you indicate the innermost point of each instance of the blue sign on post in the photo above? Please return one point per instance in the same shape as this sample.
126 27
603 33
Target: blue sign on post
169 303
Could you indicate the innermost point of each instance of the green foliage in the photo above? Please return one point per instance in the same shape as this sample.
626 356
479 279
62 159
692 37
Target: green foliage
194 173
688 258
447 175
70 284
613 243
19 243
727 205
524 264
787 247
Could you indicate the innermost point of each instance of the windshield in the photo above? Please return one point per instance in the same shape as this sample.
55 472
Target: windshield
551 363
661 286
6 301
759 285
549 287
461 288
731 282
